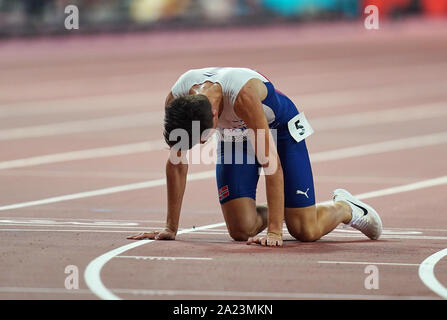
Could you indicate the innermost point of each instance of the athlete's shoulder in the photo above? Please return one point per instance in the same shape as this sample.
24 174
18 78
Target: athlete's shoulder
254 88
191 75
184 82
188 73
201 71
240 71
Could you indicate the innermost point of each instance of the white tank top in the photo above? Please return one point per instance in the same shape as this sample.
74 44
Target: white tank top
231 80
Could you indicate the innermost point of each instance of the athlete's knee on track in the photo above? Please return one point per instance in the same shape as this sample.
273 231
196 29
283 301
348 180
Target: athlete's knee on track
304 233
307 235
239 230
242 221
239 234
243 231
302 229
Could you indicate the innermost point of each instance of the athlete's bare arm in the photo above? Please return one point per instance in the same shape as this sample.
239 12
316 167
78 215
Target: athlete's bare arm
248 107
176 184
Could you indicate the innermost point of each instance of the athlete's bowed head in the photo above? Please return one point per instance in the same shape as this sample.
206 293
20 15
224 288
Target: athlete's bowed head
180 115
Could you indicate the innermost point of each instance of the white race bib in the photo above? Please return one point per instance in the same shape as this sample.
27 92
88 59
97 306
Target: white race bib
299 127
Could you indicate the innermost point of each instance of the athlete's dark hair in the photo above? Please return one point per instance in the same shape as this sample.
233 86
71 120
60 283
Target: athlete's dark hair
180 114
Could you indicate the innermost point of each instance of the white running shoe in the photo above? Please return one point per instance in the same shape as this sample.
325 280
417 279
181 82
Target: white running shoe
364 217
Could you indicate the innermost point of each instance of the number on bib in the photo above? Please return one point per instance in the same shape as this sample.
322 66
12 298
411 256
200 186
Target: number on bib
299 127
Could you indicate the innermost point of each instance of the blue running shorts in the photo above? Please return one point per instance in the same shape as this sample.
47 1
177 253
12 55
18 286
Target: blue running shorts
239 177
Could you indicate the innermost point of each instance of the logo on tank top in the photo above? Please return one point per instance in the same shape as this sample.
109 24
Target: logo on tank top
209 74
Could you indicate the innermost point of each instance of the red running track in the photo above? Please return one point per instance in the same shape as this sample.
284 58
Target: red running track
84 114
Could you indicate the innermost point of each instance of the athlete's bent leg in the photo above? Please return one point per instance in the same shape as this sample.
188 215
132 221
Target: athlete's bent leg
237 182
243 218
313 222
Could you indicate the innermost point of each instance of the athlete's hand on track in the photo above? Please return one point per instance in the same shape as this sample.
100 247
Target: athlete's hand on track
157 235
271 240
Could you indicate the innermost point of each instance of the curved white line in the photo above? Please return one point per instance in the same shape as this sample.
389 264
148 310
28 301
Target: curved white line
92 274
427 274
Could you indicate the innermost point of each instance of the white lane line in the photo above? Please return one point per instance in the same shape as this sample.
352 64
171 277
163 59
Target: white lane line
128 187
354 236
395 190
86 194
133 230
83 126
363 96
73 226
109 174
381 147
425 88
90 220
268 295
346 229
421 229
427 273
321 124
66 230
48 222
81 104
404 188
94 153
368 149
43 290
385 236
92 274
370 263
140 147
141 99
205 175
420 112
211 232
162 258
377 179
